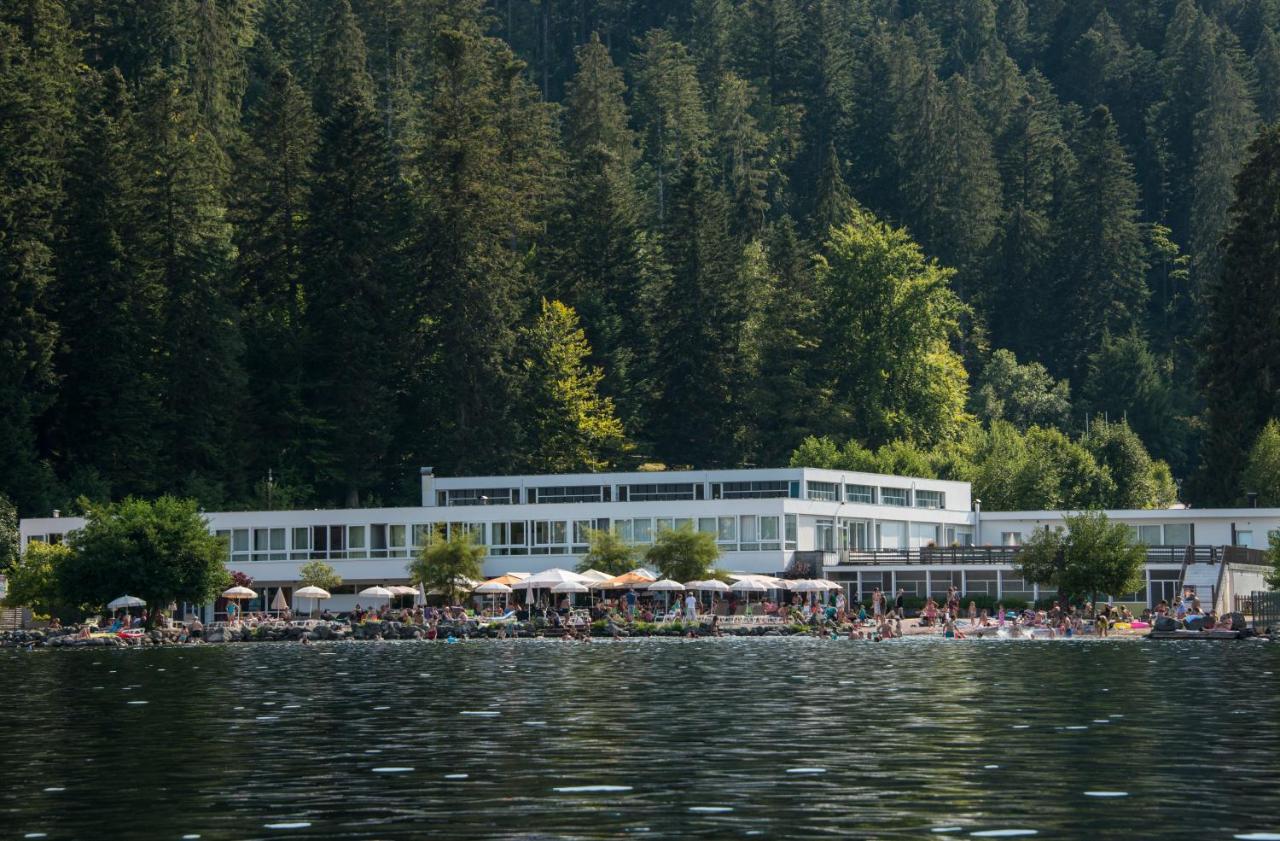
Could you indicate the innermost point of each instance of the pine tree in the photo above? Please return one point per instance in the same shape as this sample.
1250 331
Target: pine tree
571 427
468 241
741 148
1266 59
669 109
36 77
771 47
1100 251
1032 157
186 242
788 394
272 194
952 190
353 327
109 305
1239 374
594 249
699 355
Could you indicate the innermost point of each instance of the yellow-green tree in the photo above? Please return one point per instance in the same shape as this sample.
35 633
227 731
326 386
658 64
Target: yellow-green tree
608 552
318 574
891 318
33 579
444 564
570 425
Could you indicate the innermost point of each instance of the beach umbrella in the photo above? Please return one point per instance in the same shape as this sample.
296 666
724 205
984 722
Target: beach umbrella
313 593
545 580
711 585
126 602
279 604
493 588
666 585
595 575
747 586
376 592
237 594
570 587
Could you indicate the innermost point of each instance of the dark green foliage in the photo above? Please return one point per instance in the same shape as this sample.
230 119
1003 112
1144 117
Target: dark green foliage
305 239
1241 339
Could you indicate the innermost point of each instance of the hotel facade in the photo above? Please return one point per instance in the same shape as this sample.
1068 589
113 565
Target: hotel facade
864 530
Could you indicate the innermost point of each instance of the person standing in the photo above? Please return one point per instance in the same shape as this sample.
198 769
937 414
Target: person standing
631 603
691 607
899 603
877 604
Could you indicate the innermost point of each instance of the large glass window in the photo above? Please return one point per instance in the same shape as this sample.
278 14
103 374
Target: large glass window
726 530
568 493
707 524
508 538
1149 535
356 542
1177 534
550 537
1010 538
769 539
790 520
624 531
824 491
301 542
748 533
894 496
481 496
643 530
860 493
824 535
930 499
752 490
657 492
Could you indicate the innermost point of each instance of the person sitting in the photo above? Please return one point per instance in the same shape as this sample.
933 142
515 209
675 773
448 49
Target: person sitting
196 628
1194 610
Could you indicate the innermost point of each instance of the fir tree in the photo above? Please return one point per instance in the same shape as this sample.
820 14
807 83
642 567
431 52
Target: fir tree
1239 376
669 109
571 427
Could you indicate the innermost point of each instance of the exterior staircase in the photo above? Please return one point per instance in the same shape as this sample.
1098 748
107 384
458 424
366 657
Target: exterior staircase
1204 580
11 618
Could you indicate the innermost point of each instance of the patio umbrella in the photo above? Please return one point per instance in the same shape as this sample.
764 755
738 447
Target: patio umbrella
747 586
376 592
493 588
400 590
711 585
126 602
595 575
279 604
545 580
237 594
313 593
666 585
570 587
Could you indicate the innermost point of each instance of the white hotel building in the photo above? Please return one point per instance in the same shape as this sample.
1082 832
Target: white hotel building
863 529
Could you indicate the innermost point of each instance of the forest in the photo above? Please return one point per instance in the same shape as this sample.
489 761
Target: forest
284 252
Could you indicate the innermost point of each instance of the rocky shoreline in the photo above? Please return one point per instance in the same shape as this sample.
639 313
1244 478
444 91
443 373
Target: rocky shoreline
340 631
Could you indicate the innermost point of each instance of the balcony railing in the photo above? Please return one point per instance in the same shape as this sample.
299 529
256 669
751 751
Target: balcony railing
988 555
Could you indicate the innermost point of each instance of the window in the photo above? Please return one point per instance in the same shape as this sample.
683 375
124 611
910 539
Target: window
748 533
662 524
860 493
856 531
396 539
550 537
1150 535
337 542
482 496
824 491
1244 538
656 492
581 532
356 542
707 524
643 530
726 530
268 545
769 533
1178 534
790 520
894 496
683 523
930 499
508 538
824 536
568 493
959 536
301 542
1010 538
378 540
751 490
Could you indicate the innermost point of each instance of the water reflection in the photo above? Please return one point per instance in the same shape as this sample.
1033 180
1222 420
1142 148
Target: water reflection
714 738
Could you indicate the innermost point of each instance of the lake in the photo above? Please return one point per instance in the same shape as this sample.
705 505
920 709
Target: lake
720 738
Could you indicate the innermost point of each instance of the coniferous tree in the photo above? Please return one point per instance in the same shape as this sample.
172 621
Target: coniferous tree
1241 340
186 243
669 109
1101 256
36 77
571 426
699 354
273 188
108 414
352 323
1266 59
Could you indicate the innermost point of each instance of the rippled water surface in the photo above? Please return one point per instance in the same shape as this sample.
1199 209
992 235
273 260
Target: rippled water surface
667 738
